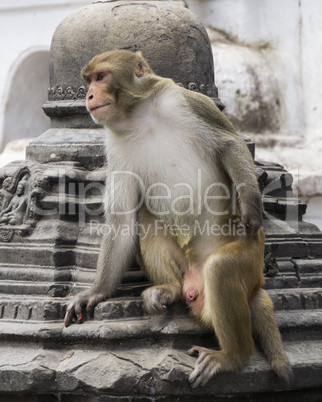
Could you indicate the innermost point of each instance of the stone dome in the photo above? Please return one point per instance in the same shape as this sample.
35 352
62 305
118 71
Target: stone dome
170 37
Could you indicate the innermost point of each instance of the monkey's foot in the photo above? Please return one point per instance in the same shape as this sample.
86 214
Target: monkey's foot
209 363
156 298
84 299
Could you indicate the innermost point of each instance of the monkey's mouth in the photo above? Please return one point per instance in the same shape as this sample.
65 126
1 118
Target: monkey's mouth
99 107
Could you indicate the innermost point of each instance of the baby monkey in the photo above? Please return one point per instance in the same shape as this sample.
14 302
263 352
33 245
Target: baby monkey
180 174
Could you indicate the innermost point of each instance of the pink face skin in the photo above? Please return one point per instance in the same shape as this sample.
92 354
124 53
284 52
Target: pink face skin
100 98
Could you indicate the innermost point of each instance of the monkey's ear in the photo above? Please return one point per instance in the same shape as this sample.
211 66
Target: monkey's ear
141 70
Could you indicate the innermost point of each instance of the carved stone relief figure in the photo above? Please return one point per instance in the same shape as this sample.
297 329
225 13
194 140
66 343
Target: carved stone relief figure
5 193
14 213
70 93
36 194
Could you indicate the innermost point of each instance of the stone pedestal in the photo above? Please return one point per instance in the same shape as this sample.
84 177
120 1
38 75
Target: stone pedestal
49 251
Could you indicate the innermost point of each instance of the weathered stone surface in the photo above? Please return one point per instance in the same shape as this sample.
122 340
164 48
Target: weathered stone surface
67 144
145 371
182 54
120 353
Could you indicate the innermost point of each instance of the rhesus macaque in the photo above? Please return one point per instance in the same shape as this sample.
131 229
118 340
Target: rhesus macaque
174 161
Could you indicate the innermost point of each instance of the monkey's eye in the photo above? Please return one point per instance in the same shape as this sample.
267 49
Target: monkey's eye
100 76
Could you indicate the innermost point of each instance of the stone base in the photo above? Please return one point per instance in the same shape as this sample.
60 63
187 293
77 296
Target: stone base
121 353
146 360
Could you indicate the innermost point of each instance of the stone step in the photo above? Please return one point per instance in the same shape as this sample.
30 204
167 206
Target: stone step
283 208
151 346
291 281
132 285
17 279
35 273
46 256
60 289
130 306
32 273
294 273
15 255
294 325
74 372
22 288
296 299
307 266
73 205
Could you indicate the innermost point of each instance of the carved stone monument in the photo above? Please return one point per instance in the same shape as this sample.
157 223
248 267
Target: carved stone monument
51 221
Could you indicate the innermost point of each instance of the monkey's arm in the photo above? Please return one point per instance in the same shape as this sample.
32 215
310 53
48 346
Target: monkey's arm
117 249
233 155
238 163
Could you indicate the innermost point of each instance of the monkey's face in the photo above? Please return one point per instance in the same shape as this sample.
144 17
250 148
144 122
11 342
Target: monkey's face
101 96
113 81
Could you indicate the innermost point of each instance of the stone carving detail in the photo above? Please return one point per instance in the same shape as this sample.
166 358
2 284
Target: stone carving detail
192 86
36 194
5 193
70 93
6 235
15 211
18 204
14 198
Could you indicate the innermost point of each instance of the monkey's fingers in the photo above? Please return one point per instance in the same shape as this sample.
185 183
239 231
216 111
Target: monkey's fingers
74 310
200 375
70 314
205 367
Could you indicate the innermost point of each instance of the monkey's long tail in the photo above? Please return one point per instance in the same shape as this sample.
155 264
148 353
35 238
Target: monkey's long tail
266 330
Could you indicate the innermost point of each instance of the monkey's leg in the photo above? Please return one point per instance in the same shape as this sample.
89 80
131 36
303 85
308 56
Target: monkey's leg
266 330
229 276
164 264
159 262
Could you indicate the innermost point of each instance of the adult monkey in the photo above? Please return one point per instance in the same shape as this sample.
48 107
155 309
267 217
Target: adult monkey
172 160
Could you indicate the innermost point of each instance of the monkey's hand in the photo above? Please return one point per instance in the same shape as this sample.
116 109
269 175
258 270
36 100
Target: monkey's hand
88 299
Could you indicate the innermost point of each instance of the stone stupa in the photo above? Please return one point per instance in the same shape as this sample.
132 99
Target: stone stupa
51 205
